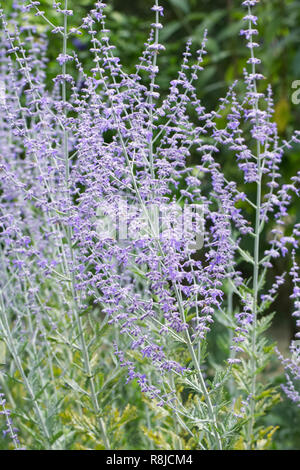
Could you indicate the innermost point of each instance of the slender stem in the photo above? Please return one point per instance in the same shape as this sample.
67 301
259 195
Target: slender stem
201 380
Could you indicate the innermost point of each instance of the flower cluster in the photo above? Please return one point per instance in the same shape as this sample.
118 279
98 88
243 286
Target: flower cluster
69 154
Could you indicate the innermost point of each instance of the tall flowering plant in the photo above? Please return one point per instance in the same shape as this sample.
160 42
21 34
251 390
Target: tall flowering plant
114 248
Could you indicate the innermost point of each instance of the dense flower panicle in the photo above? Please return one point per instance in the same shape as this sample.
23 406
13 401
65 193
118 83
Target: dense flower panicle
94 179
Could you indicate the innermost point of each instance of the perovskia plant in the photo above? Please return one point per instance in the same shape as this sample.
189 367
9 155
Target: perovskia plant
100 271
